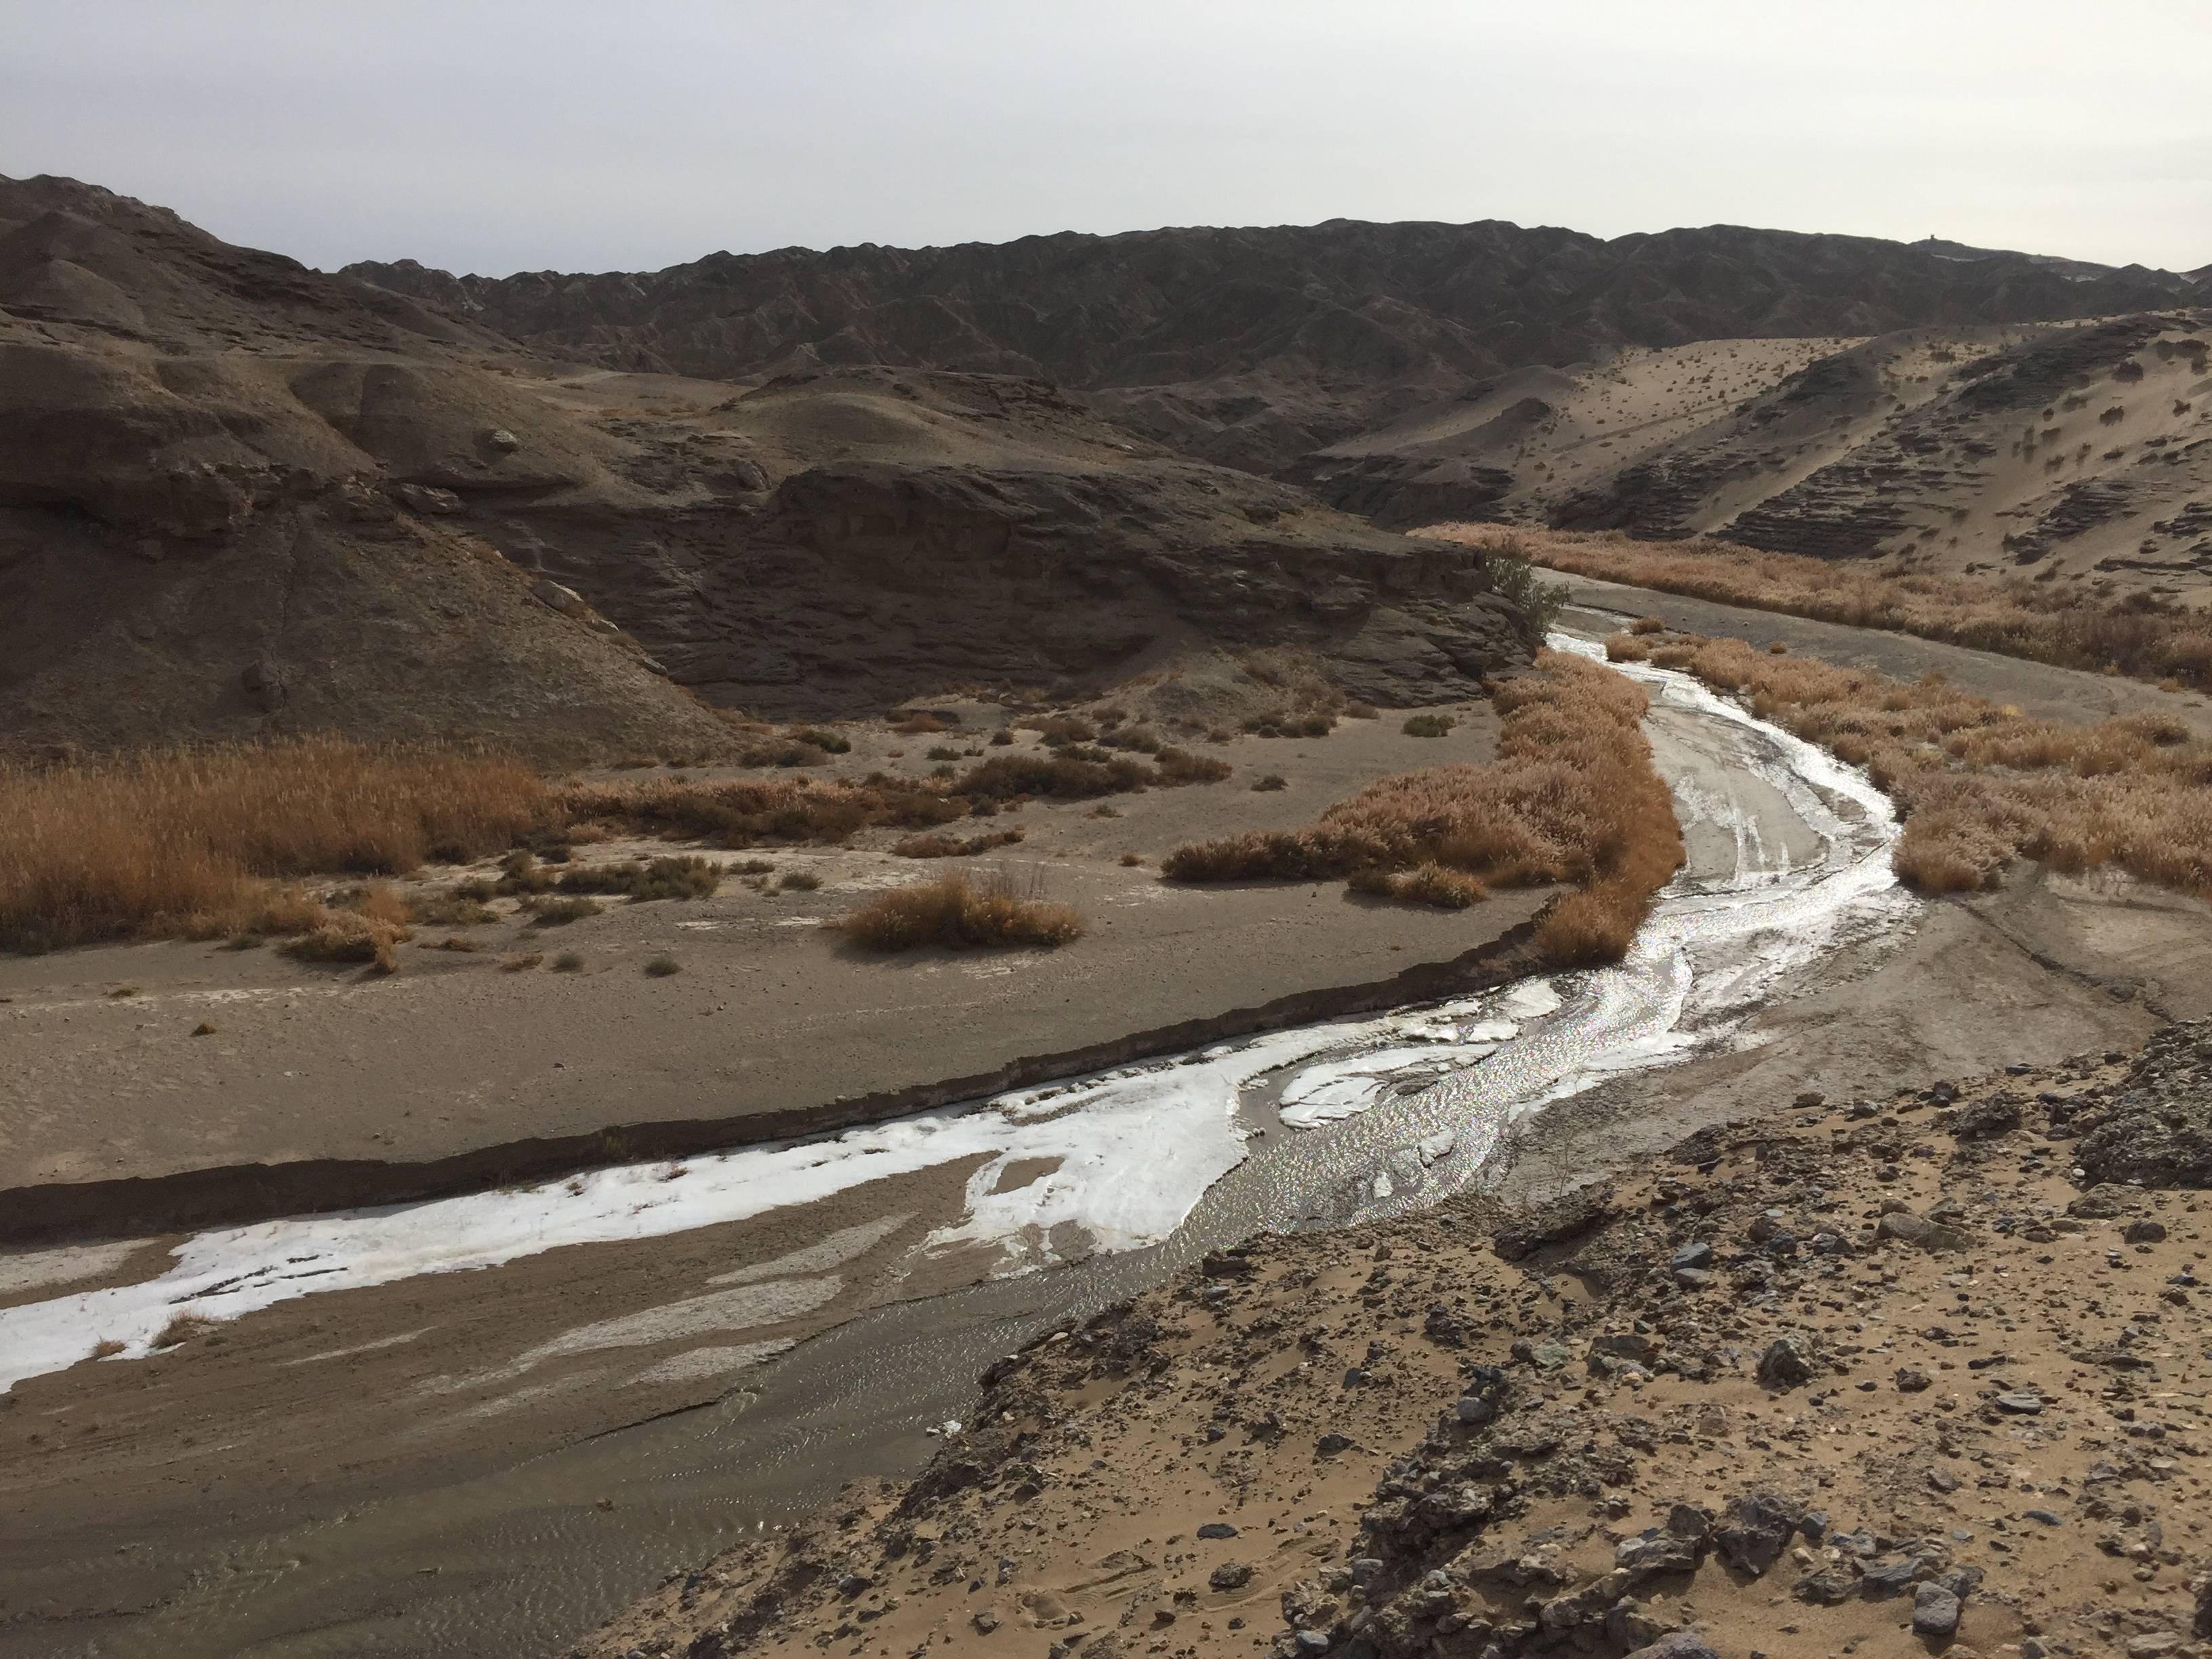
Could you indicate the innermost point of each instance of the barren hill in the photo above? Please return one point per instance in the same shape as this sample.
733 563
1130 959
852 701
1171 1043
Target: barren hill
1252 347
239 496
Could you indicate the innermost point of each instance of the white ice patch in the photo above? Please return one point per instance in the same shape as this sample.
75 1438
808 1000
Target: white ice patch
27 1270
1137 1147
701 1364
834 1251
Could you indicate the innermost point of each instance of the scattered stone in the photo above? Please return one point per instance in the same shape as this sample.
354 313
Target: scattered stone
1910 1380
1696 1254
1677 1645
1935 1236
1757 1530
1787 1363
1229 1575
985 1621
1935 1611
1826 1587
1217 1530
1328 1446
2044 1516
2019 1402
2144 1232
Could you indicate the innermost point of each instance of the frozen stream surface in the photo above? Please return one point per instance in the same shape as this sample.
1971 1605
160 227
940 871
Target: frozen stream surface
1789 860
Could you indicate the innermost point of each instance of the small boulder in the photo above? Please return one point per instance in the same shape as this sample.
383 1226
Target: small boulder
1937 1238
1935 1611
1229 1575
1787 1363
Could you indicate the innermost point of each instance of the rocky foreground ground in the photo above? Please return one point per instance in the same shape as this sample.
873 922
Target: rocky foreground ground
1925 1374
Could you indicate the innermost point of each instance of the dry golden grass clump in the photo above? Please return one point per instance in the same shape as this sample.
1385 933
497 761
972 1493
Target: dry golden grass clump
1571 797
952 910
2137 635
1427 884
189 841
1980 784
200 842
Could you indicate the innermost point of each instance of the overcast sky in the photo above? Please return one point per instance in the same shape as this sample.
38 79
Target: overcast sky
631 134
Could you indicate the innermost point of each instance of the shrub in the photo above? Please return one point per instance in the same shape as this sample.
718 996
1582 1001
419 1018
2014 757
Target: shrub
521 962
559 912
568 962
1427 725
662 967
798 881
1002 737
346 938
1426 884
951 910
954 847
1647 625
1513 578
1361 711
640 880
829 743
1059 730
1273 781
917 724
448 910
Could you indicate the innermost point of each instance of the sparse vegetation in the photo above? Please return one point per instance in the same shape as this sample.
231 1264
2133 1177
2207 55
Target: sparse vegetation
568 962
662 967
954 847
1572 797
953 911
1427 725
798 881
521 962
1273 781
2137 634
560 912
1980 784
639 880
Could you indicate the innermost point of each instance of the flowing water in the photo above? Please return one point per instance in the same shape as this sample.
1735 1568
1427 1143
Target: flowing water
1147 1167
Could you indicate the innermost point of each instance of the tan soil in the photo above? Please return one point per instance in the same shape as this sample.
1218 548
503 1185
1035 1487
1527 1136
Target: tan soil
771 1018
1301 1392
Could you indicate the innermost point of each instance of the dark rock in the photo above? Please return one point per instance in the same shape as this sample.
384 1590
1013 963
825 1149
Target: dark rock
1696 1254
1755 1530
1935 1236
1935 1611
1910 1380
2144 1232
1677 1645
1229 1575
1788 1362
1217 1530
1826 1587
2019 1402
1556 1223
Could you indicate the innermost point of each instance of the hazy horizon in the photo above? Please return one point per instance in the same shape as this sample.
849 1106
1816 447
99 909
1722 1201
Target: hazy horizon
496 137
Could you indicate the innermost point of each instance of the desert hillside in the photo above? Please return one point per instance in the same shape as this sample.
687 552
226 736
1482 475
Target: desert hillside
239 497
1253 347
